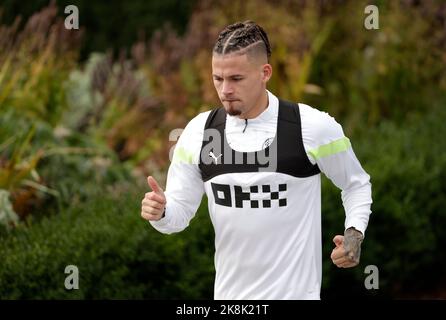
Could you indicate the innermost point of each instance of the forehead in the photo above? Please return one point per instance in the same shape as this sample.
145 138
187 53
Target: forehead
230 63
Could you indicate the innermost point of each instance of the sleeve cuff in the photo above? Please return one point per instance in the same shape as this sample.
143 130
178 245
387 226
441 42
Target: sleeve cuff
161 222
358 225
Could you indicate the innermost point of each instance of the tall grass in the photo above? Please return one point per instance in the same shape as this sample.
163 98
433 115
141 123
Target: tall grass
54 111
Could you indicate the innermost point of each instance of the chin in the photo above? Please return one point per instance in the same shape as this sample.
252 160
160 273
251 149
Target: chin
231 109
233 112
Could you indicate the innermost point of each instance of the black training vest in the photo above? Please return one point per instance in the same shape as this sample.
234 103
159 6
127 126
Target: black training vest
291 156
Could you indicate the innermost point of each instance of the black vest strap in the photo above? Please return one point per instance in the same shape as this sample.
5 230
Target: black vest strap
293 159
291 156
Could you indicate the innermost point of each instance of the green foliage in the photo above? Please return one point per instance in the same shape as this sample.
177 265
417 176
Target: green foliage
118 254
111 24
113 103
370 75
60 125
20 163
405 238
8 217
34 62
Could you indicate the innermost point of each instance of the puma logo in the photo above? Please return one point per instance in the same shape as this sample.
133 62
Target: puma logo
212 155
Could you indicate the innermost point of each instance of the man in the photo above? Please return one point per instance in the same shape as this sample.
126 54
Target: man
258 159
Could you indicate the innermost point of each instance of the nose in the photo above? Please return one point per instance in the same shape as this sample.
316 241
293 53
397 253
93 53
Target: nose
227 88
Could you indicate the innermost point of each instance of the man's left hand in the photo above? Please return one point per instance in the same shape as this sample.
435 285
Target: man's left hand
348 249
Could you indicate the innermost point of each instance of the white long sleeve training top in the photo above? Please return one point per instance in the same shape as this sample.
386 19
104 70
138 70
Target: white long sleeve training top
268 253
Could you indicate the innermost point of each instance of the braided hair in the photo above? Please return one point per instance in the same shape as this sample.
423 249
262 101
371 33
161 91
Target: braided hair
243 37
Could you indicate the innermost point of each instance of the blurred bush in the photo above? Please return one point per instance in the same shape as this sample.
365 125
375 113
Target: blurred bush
8 218
370 75
118 255
405 238
34 62
62 126
112 102
111 24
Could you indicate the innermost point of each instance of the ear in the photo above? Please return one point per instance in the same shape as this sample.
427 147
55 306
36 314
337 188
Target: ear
267 72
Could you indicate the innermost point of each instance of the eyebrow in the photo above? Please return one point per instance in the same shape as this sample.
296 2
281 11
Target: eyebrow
231 76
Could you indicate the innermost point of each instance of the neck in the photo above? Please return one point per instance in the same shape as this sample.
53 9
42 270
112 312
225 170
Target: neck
259 107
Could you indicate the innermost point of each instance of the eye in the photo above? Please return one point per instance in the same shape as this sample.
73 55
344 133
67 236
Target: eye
237 78
217 79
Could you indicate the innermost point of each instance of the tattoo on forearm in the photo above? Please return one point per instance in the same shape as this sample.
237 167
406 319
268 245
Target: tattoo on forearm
352 244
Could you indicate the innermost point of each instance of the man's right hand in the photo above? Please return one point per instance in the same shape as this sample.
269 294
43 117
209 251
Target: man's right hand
154 202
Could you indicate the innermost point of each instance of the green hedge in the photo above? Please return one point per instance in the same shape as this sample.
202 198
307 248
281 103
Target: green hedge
117 253
405 238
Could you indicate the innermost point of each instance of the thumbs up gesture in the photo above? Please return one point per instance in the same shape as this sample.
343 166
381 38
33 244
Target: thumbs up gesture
348 249
154 202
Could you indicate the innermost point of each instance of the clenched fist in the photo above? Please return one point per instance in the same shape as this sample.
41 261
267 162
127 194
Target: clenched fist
348 249
154 202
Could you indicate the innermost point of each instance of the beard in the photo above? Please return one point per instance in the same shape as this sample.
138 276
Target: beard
233 112
231 109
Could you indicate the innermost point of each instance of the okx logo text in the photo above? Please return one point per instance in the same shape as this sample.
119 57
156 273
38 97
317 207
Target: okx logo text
257 196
